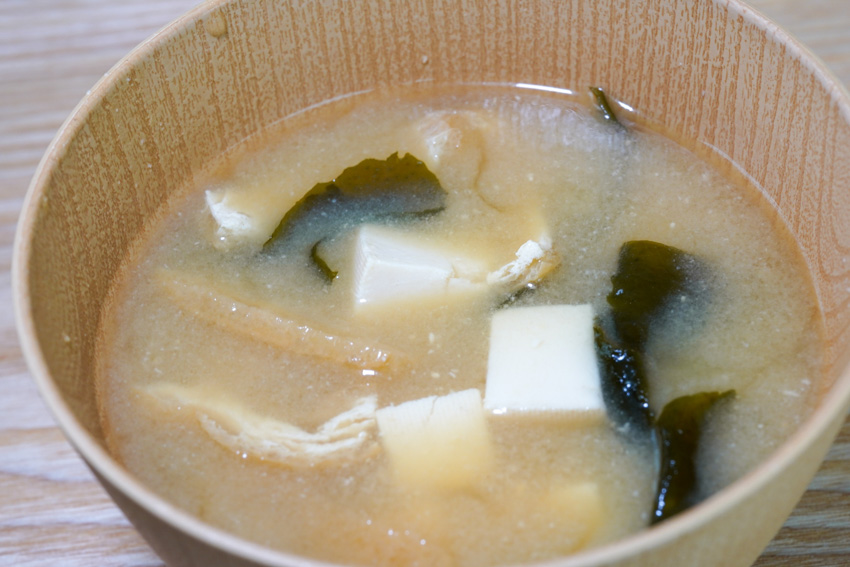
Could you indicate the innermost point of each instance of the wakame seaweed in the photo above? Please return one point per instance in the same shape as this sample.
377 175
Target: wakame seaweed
649 277
600 100
624 386
321 264
515 296
373 190
679 429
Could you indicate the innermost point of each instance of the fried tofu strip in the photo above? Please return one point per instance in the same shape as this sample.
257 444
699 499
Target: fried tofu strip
346 437
534 260
220 307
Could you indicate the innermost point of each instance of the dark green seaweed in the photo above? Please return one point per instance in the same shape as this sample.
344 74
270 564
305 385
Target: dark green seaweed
679 429
371 191
319 262
624 386
600 99
517 295
649 276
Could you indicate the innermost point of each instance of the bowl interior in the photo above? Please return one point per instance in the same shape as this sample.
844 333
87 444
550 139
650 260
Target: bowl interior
711 72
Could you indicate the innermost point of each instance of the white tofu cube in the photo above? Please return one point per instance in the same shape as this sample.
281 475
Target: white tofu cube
570 511
437 442
391 266
582 504
543 358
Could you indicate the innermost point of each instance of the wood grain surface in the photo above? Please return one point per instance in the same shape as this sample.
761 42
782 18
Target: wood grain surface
52 512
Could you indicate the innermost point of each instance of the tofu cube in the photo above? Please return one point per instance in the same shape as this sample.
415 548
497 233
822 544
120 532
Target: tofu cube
576 511
572 512
391 266
582 502
543 358
437 442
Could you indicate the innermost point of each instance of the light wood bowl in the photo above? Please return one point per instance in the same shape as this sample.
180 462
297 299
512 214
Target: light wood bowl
710 71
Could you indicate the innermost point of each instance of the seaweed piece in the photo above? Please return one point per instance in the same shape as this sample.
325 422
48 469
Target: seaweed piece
624 385
679 429
649 275
603 106
516 295
327 272
373 190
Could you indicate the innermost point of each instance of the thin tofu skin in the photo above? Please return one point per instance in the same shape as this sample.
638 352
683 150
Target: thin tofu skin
417 381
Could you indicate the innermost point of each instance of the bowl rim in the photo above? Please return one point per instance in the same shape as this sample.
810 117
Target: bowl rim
835 402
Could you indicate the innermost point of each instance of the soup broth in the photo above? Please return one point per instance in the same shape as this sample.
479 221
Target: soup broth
267 388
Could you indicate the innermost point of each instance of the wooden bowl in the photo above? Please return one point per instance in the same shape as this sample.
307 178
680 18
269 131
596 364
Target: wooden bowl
710 71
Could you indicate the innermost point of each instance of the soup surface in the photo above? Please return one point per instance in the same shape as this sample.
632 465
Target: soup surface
337 396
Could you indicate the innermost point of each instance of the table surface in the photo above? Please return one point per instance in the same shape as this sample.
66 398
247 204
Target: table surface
52 511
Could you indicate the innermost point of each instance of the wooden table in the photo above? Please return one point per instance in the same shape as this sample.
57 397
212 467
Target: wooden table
52 512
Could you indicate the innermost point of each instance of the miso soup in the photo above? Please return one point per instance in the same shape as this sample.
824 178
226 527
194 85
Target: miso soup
375 333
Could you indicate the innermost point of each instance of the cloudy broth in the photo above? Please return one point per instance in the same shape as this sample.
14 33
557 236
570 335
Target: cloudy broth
208 331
